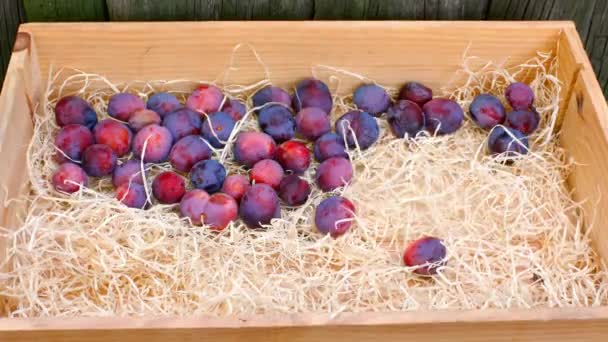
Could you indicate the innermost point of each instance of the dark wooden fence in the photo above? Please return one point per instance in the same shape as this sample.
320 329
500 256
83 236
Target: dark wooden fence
590 16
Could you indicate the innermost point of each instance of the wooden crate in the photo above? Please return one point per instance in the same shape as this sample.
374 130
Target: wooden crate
387 51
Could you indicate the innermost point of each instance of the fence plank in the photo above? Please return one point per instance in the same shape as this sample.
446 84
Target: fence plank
66 10
11 15
210 9
597 41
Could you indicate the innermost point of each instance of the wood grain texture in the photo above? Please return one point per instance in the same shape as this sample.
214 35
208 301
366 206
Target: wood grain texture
19 97
138 50
137 10
66 10
544 325
585 137
12 14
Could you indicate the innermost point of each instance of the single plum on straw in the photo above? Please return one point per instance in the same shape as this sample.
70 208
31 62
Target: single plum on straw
425 255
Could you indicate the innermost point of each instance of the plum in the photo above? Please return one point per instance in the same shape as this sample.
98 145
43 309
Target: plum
235 186
72 140
259 205
192 204
168 187
334 173
312 122
360 127
267 171
405 117
127 172
271 94
74 110
293 156
132 195
508 141
182 122
208 175
442 116
219 211
416 92
251 147
159 141
294 191
206 99
143 118
278 122
426 254
520 96
114 134
329 145
99 160
217 128
334 216
69 178
163 103
235 108
525 121
122 105
372 99
487 111
188 151
312 93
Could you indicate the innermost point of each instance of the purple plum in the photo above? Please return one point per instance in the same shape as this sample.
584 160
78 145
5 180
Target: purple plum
122 105
208 175
182 122
75 110
360 127
159 142
69 178
372 99
416 92
405 117
163 103
259 205
312 122
99 160
329 145
188 151
442 116
216 129
334 216
294 191
71 141
312 93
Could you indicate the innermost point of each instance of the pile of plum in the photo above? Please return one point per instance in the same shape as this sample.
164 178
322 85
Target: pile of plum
139 134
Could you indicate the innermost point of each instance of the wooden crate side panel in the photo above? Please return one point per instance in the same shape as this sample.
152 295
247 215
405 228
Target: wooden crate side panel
19 97
585 137
533 331
391 52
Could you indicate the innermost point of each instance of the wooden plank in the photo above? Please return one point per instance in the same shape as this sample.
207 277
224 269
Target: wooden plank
66 10
11 15
137 10
597 43
579 11
540 325
268 9
340 9
139 50
586 112
401 9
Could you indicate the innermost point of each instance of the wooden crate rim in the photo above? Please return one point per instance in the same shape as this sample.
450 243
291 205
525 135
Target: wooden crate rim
308 319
